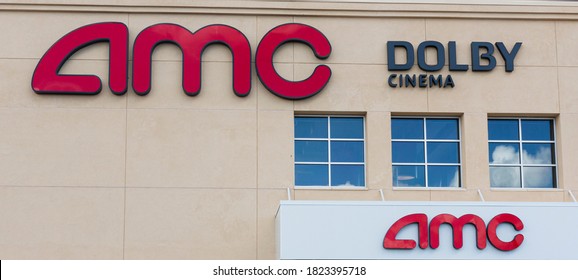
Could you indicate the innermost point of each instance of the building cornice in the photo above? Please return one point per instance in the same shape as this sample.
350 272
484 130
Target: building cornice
535 11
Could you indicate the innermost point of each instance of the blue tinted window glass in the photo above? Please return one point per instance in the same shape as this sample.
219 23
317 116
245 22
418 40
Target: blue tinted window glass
408 176
443 176
310 127
346 128
538 154
504 153
539 177
442 129
442 152
311 175
311 151
537 130
407 152
347 175
347 151
503 130
403 128
505 177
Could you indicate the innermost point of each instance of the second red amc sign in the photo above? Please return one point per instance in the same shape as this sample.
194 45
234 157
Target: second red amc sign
426 230
391 242
47 80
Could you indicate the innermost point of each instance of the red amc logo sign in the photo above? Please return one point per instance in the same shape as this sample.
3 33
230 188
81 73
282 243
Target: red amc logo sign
47 80
482 231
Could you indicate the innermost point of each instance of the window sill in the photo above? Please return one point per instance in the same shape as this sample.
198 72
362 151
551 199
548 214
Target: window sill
527 189
332 188
427 189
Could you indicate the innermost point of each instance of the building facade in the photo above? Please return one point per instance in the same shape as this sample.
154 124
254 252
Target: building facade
428 102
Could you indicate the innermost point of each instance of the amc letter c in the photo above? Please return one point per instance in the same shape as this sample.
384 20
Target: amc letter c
493 236
275 38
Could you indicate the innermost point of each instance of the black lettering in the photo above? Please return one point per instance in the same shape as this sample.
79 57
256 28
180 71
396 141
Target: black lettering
390 80
410 80
435 81
422 80
509 56
441 58
488 55
449 82
453 57
391 64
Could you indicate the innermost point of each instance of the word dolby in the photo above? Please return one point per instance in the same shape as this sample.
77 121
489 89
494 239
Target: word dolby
482 59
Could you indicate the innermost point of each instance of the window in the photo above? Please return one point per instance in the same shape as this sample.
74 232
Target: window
522 153
425 152
329 151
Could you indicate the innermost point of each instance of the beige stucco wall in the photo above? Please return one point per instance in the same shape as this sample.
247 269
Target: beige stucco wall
168 176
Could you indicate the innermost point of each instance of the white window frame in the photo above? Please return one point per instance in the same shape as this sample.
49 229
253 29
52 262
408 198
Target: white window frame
425 164
520 143
329 163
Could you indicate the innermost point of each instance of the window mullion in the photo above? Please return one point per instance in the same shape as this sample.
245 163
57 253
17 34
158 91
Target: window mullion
553 133
520 147
353 171
524 157
425 152
329 151
447 171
